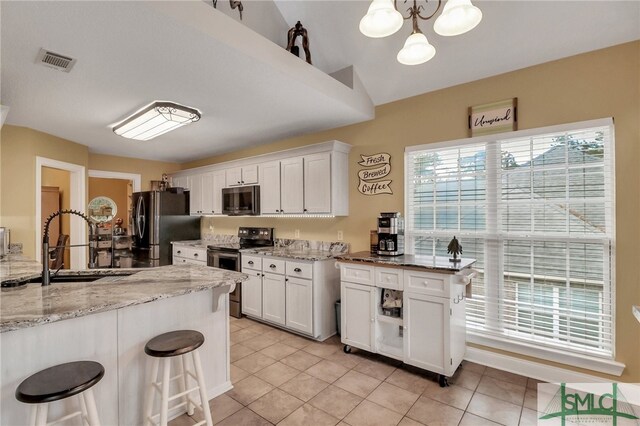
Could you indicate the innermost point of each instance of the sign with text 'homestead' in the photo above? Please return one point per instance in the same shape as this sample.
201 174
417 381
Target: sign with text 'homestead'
496 117
378 167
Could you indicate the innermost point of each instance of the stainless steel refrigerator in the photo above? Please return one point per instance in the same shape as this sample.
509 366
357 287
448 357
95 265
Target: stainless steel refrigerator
157 219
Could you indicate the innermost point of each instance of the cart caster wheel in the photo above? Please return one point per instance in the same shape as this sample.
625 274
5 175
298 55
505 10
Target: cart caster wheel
347 349
443 381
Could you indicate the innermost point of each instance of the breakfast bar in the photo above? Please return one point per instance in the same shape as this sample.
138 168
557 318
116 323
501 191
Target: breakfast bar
109 320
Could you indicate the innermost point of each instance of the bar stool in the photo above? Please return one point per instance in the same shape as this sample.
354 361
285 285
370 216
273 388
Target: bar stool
60 382
166 346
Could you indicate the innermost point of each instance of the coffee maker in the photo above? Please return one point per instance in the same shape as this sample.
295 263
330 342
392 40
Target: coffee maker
390 234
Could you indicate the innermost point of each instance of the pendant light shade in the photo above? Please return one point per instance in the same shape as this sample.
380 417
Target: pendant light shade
156 119
458 17
416 50
382 19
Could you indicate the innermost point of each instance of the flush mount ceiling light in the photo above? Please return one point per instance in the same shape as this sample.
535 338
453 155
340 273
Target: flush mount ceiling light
155 119
383 19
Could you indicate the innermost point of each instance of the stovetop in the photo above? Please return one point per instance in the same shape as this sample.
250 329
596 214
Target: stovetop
236 246
250 237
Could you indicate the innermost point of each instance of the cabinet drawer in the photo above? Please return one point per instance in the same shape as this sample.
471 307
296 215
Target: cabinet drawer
182 260
300 269
356 273
251 262
190 253
426 283
389 278
274 266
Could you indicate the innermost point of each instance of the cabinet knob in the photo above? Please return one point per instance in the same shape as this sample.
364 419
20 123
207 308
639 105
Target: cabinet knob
195 254
242 181
305 210
179 252
272 266
258 274
249 262
297 270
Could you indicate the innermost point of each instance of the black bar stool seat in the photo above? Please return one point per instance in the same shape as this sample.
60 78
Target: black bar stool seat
174 343
59 382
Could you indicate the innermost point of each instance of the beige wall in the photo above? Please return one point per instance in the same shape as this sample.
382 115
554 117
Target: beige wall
62 180
19 147
149 170
604 83
116 189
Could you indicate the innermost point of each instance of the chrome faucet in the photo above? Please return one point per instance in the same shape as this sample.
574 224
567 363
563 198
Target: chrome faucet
93 244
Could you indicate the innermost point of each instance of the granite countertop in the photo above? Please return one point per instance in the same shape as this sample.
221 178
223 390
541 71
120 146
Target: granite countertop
292 253
198 244
31 304
435 263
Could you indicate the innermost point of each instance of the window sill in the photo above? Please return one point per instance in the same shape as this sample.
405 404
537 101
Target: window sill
601 365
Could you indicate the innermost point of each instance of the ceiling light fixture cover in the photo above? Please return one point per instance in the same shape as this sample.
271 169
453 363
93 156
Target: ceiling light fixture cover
383 19
156 119
416 50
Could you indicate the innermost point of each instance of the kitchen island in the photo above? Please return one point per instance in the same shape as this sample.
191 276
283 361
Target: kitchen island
109 321
411 308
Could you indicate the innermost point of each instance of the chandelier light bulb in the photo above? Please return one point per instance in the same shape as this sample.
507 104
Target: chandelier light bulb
382 19
458 17
416 50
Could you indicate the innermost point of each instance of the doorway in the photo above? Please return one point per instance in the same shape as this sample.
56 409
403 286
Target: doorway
77 227
56 195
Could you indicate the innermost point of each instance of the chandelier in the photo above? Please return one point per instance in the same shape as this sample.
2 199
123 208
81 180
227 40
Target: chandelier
383 19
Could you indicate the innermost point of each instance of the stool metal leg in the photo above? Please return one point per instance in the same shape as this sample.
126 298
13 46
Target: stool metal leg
151 391
164 405
91 407
202 388
83 410
41 414
184 384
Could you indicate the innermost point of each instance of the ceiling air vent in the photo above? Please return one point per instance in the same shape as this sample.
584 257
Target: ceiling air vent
55 60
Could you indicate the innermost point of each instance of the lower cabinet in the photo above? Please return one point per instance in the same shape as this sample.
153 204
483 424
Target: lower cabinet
299 305
252 294
429 332
273 298
357 304
298 296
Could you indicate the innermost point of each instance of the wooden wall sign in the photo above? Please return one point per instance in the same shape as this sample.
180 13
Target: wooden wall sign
378 167
496 117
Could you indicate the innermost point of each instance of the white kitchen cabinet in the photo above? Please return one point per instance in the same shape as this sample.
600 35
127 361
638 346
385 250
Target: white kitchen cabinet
430 333
317 183
312 179
252 294
296 295
206 194
245 175
188 254
292 190
273 298
299 304
357 305
195 196
269 187
219 182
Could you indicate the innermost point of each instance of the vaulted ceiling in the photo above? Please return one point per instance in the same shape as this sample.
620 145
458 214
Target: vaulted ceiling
249 89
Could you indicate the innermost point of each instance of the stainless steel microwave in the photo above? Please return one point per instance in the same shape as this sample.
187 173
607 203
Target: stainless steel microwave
241 201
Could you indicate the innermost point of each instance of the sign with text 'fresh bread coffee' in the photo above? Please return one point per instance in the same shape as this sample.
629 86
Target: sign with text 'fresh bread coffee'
377 166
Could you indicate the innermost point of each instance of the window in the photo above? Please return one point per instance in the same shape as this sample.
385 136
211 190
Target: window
535 208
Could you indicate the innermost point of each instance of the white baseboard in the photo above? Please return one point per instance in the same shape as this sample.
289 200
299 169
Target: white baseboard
535 370
219 390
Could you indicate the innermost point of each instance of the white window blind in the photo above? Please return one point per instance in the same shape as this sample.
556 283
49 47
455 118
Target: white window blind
536 211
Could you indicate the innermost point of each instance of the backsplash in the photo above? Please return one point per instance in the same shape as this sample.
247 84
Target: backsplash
333 247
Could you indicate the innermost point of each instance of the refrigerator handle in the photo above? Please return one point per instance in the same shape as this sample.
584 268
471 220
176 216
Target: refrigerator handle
140 220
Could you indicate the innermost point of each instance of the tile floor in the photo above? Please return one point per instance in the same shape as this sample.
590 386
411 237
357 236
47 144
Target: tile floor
280 378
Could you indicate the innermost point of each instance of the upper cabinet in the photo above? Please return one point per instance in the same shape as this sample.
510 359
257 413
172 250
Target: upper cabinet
311 180
245 175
